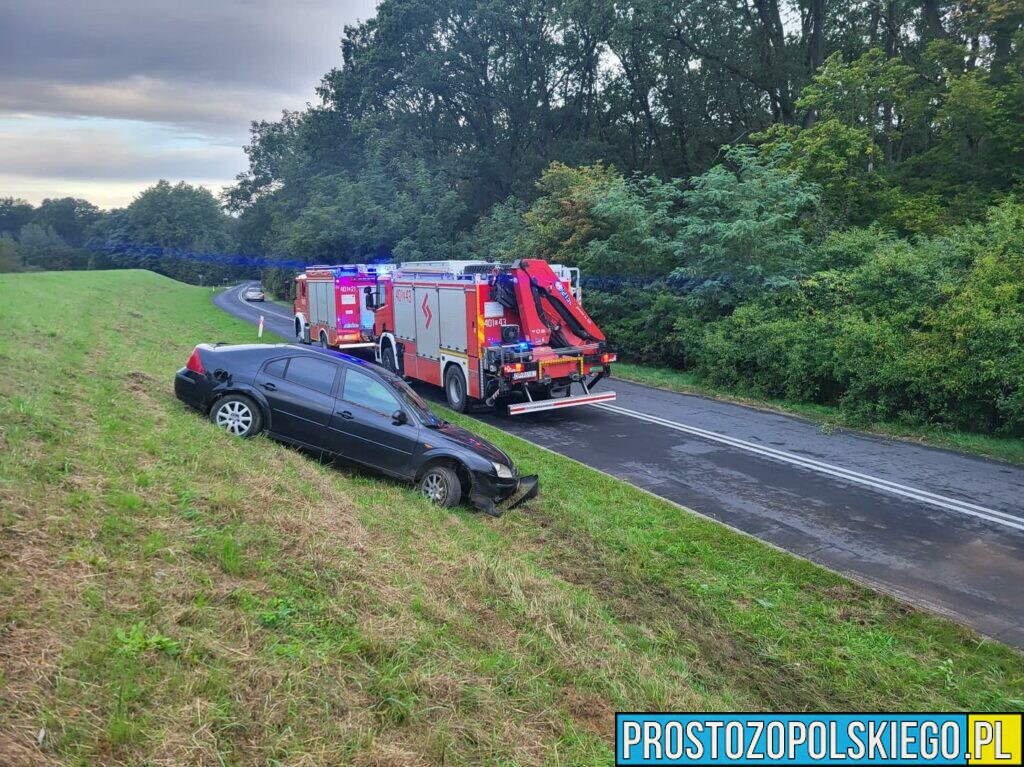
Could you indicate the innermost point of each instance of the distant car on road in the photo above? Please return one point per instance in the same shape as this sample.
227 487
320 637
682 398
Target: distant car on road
350 409
254 294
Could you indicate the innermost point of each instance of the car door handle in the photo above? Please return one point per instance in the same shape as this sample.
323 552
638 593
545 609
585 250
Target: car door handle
269 386
346 414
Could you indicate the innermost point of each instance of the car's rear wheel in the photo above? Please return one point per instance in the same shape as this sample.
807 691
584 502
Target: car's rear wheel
455 389
237 415
441 485
387 359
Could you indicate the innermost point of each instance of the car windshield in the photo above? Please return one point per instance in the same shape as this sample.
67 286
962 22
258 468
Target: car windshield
415 402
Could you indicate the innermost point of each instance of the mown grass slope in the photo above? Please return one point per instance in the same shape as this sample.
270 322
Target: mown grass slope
171 595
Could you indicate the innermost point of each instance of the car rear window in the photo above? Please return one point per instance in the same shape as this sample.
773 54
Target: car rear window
314 374
276 368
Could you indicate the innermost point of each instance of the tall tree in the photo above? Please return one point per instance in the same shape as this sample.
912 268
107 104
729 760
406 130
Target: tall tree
175 229
69 217
14 214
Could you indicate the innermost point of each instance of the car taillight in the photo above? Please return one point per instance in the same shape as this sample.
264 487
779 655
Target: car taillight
195 364
606 358
514 368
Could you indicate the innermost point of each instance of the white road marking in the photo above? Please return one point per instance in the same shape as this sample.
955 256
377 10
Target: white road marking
247 305
884 485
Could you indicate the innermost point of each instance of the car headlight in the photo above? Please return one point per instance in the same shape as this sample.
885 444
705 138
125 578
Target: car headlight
503 471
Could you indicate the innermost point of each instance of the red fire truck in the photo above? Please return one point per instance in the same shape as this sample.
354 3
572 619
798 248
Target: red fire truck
331 304
511 335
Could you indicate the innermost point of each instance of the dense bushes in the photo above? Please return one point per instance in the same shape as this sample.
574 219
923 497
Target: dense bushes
930 331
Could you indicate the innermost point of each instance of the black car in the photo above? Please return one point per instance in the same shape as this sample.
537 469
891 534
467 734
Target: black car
351 409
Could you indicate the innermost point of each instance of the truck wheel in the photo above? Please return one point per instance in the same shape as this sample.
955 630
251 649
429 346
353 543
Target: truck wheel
237 415
455 389
323 340
441 485
298 331
387 359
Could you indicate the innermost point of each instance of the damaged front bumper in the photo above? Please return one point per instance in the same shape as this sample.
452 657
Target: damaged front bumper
488 491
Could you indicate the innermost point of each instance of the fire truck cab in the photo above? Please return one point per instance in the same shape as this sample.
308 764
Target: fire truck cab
333 305
570 275
511 335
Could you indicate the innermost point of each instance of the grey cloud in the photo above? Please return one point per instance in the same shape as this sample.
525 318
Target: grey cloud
92 154
264 43
211 109
257 52
190 75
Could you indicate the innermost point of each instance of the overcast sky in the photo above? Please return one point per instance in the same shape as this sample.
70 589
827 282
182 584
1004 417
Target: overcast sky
101 98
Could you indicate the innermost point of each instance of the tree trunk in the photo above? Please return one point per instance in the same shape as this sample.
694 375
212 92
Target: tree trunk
774 55
890 51
815 46
933 19
1003 30
816 42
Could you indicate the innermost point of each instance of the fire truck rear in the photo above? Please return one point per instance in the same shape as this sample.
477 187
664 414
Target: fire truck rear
333 305
512 335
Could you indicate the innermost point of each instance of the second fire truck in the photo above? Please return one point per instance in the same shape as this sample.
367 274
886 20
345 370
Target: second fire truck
331 306
511 335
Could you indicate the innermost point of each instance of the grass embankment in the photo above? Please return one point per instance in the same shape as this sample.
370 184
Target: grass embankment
169 594
1002 448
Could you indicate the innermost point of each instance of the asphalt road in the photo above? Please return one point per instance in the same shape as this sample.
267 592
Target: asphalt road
940 529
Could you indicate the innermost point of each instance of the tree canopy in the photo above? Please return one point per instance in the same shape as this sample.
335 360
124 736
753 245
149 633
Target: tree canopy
175 229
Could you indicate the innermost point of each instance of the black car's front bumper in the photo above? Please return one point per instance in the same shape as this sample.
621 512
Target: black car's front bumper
488 491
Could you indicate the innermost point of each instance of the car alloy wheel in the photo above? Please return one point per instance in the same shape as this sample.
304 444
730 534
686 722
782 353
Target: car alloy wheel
441 484
435 487
235 416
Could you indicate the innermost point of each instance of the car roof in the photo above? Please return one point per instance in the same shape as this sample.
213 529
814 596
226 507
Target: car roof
312 350
330 353
370 367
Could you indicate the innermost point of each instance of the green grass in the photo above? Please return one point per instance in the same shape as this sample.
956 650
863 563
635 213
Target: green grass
829 417
169 594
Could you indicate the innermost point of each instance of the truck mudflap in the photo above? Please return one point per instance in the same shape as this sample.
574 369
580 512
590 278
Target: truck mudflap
527 488
558 403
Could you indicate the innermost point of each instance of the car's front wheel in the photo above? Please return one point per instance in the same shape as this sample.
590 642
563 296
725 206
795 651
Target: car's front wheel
441 485
238 415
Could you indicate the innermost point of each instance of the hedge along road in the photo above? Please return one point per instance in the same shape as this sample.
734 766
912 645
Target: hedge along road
940 529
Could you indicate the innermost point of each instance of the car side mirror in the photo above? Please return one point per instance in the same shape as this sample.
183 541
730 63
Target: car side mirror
399 417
